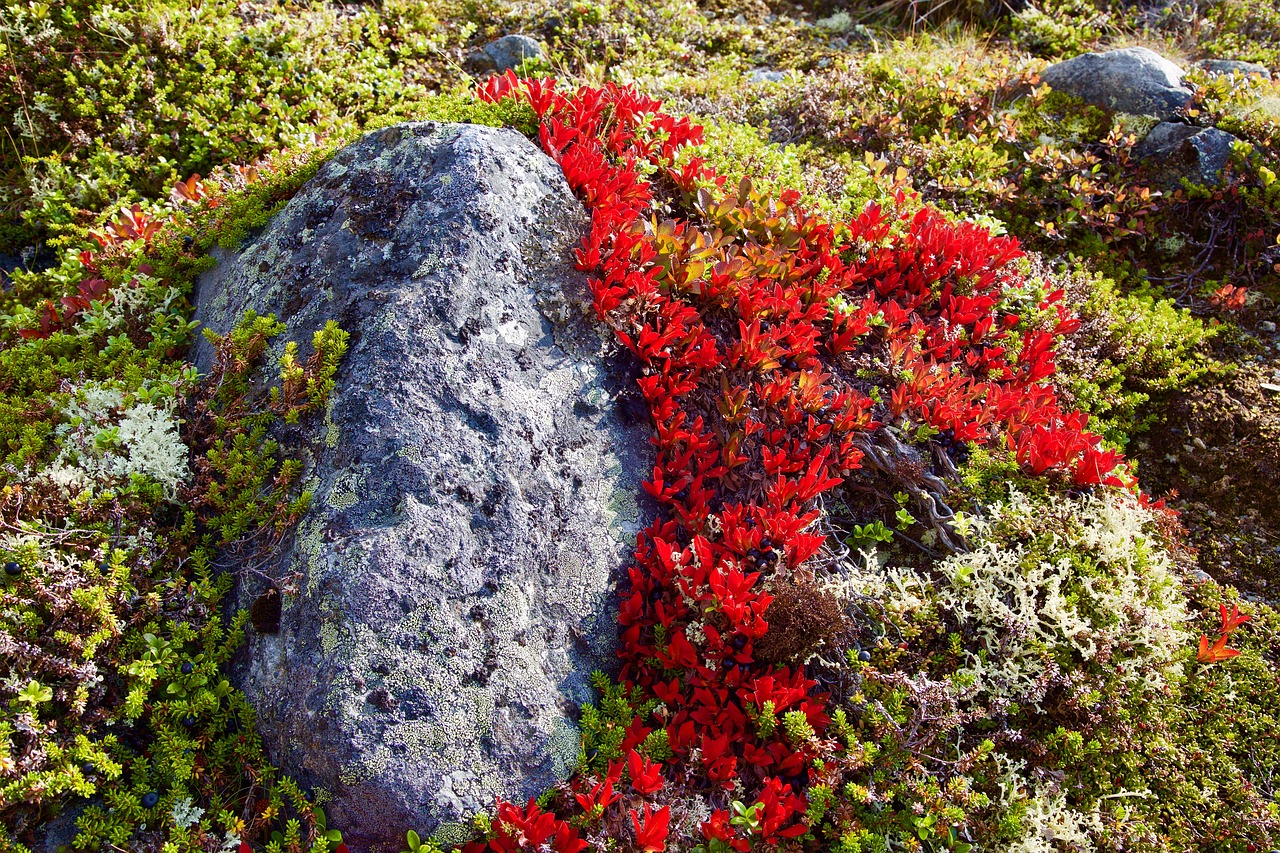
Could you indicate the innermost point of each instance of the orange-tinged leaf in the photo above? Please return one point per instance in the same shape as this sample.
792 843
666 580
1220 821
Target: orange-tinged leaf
1232 620
1216 653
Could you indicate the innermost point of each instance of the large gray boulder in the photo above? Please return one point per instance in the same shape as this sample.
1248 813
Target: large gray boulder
1129 80
475 480
1178 151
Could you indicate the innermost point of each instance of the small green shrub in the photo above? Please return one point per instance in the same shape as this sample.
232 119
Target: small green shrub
1131 353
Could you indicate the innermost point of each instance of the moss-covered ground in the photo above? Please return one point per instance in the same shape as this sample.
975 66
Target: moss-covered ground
126 479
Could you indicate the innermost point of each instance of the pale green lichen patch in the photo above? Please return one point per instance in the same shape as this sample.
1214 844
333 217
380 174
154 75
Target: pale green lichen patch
332 432
308 547
452 834
345 492
564 746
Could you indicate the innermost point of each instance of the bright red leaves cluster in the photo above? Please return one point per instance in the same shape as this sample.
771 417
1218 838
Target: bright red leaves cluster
1220 651
771 343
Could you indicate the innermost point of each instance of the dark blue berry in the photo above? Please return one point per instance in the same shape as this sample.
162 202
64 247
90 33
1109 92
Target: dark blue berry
149 800
766 543
104 567
864 655
188 667
189 721
11 568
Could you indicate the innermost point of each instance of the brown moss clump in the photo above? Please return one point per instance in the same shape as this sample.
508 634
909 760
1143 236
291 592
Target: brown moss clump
802 618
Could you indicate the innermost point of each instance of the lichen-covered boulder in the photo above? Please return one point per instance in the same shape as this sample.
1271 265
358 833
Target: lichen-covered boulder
504 54
475 480
1128 80
1178 151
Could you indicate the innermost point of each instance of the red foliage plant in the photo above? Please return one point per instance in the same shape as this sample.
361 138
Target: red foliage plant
90 289
130 225
770 340
756 324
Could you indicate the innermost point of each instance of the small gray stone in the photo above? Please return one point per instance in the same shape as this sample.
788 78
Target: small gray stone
1227 67
474 480
764 75
1182 150
57 835
1267 326
505 53
1129 80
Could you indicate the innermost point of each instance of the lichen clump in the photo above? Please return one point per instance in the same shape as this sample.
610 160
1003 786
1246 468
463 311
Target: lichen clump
1058 589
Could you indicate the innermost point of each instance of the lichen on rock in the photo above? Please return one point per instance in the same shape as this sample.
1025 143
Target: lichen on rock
473 479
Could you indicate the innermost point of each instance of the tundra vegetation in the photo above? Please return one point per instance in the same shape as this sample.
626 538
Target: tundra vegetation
967 416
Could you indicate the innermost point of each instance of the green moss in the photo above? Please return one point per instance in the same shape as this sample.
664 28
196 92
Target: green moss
1057 27
1133 353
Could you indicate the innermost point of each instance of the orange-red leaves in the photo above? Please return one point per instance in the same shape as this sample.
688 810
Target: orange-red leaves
1216 653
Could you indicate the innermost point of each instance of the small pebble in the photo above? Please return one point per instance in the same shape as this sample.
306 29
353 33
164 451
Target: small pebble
764 75
1267 326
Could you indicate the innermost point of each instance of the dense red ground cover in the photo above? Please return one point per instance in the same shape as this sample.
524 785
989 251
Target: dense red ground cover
774 346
